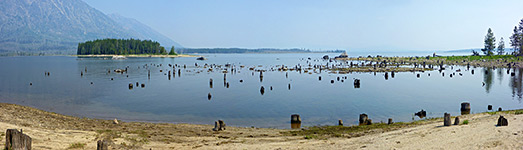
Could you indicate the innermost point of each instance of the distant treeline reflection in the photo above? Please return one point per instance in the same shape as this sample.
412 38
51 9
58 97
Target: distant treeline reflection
244 50
515 80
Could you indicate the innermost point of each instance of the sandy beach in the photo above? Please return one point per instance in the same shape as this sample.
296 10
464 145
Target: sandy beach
54 131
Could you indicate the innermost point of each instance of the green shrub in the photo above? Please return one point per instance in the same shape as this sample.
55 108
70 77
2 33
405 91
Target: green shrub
466 122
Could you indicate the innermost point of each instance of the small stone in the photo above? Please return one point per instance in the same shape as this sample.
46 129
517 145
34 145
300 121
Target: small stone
115 121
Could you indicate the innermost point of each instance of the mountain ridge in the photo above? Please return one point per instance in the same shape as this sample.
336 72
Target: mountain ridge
57 26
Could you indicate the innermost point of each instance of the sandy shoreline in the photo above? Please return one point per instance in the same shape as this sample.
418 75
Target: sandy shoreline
55 131
168 56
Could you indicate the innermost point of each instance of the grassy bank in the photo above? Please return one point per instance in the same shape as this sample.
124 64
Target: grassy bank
325 132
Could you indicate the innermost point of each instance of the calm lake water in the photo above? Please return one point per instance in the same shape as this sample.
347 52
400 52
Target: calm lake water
183 99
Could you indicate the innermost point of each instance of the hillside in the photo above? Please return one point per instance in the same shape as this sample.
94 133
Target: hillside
57 26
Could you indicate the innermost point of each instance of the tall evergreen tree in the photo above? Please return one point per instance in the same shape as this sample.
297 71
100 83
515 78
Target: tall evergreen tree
516 40
490 43
172 51
501 47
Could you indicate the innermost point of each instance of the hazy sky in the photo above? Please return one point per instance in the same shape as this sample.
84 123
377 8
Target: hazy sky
366 25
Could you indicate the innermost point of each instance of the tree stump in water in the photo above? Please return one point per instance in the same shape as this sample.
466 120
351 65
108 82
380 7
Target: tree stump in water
446 119
489 107
364 120
465 108
17 140
390 121
102 145
340 122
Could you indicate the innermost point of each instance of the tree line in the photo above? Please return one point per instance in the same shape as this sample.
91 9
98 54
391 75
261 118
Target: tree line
122 47
516 41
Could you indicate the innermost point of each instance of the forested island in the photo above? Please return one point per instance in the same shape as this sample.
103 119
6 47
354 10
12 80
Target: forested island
122 47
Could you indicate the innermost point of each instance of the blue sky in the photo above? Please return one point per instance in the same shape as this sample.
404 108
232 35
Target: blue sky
366 25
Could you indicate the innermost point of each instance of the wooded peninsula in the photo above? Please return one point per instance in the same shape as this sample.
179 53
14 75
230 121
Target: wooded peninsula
122 47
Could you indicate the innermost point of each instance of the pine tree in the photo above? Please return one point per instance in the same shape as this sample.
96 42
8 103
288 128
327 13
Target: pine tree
172 51
490 43
501 47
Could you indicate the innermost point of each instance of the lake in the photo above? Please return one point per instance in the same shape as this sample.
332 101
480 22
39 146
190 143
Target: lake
184 98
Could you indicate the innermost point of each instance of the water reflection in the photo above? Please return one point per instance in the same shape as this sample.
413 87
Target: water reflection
487 79
515 83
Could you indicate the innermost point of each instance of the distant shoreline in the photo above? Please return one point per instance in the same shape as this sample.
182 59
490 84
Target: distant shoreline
144 55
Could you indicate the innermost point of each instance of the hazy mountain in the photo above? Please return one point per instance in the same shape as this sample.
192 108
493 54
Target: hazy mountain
142 31
59 25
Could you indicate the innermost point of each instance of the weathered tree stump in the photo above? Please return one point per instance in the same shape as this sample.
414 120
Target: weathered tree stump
209 96
446 119
489 107
456 121
332 81
295 121
356 83
319 78
421 114
390 121
262 90
340 122
502 121
295 118
216 126
102 145
465 108
15 140
499 109
222 125
364 120
130 86
210 83
143 85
